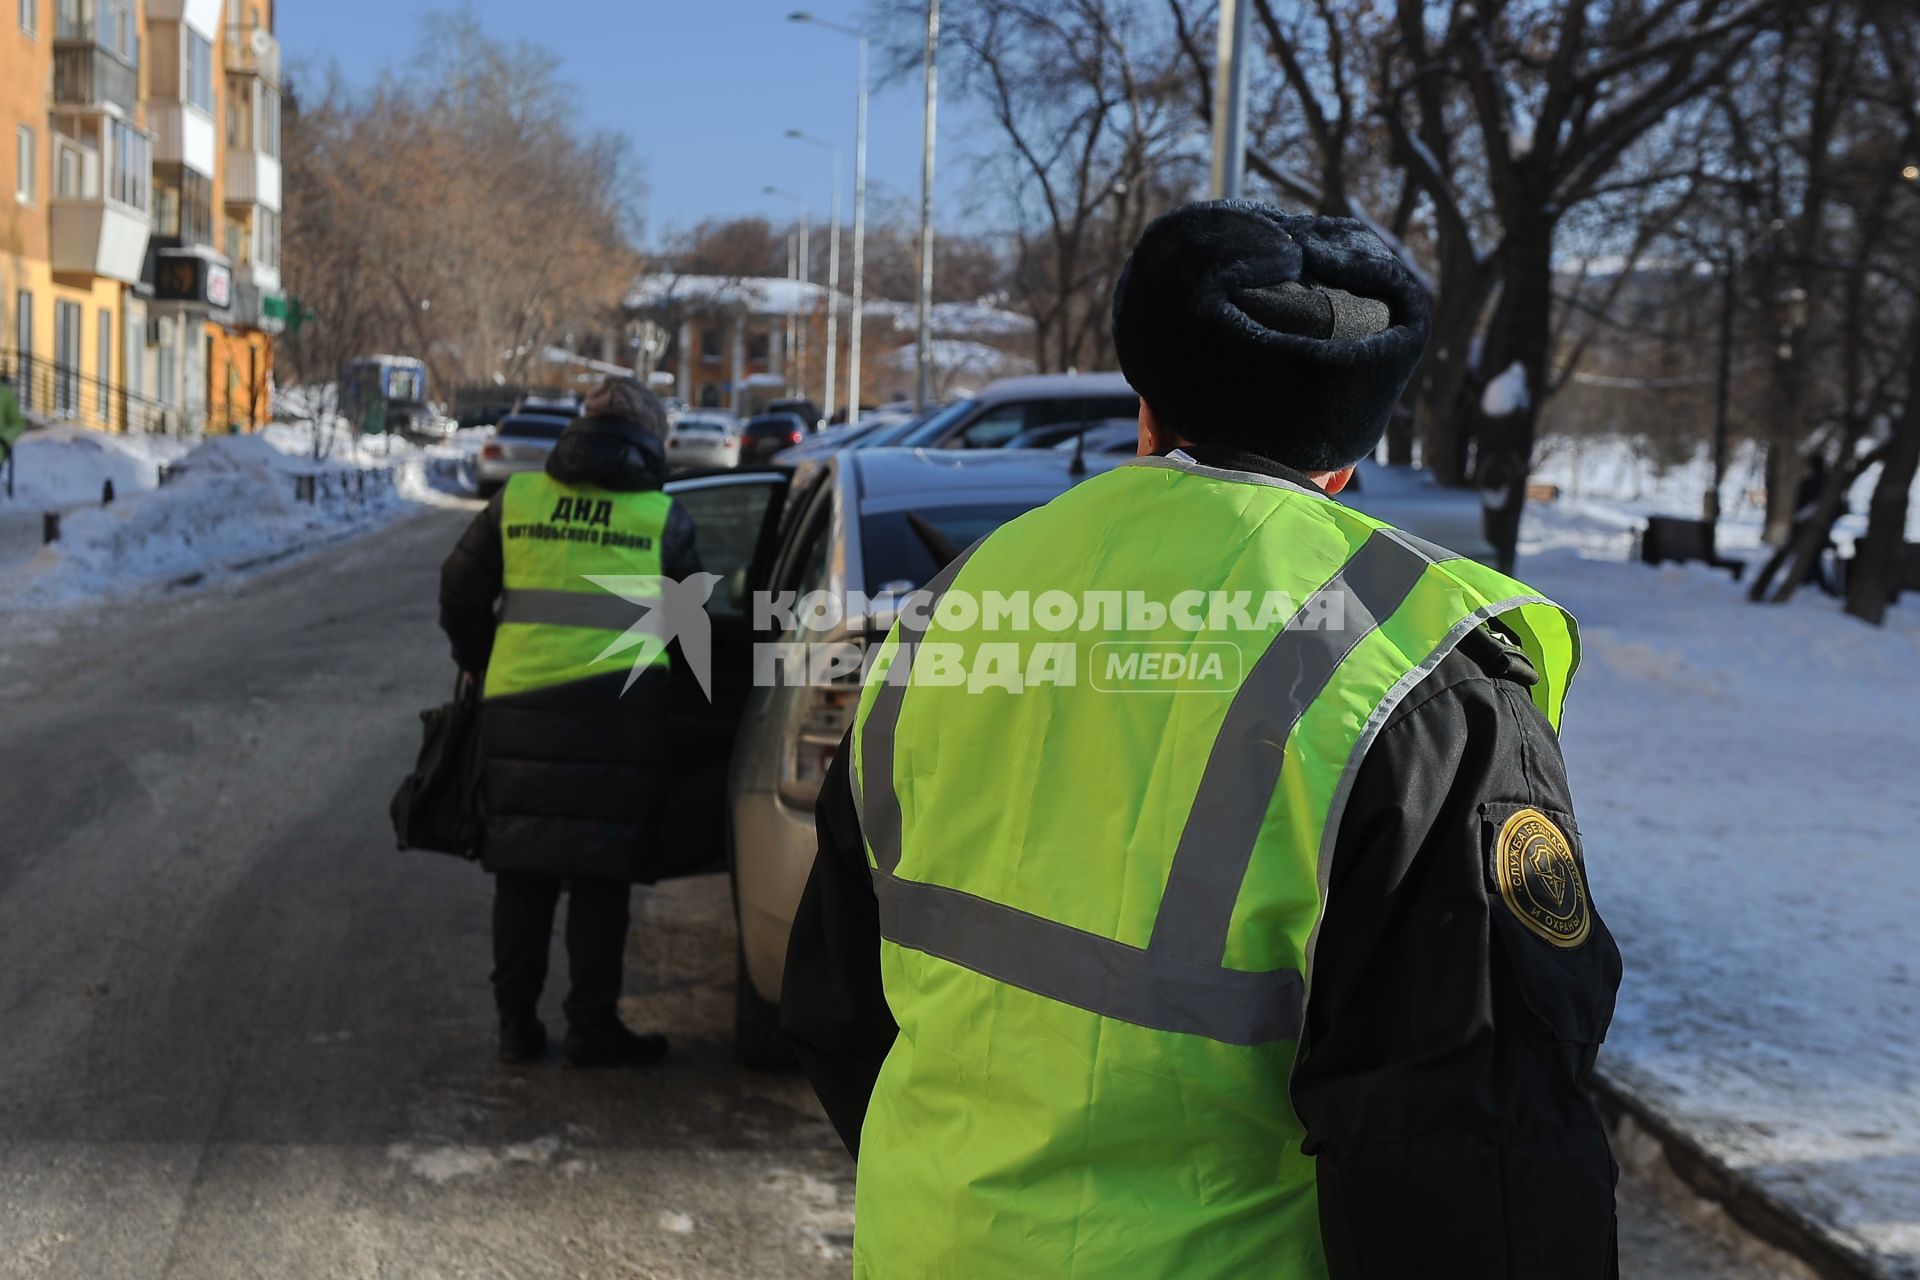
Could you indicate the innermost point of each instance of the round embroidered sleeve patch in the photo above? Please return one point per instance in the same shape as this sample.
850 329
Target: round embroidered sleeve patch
1540 879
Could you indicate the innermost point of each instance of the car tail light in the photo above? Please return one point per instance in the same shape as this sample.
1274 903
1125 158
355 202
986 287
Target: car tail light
727 443
492 452
797 437
825 715
673 443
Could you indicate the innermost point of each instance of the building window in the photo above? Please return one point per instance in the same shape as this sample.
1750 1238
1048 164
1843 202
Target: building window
69 169
26 154
197 73
23 345
269 120
133 355
30 16
266 238
66 356
184 211
710 344
103 404
132 165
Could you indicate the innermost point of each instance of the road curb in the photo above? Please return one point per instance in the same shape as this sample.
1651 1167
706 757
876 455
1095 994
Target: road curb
1752 1206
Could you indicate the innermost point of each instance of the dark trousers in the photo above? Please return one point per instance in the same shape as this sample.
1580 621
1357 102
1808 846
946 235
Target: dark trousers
597 917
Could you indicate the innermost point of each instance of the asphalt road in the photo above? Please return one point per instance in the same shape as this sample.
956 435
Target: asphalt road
242 1036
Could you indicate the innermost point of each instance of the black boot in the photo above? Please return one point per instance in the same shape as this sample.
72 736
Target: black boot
610 1044
523 1039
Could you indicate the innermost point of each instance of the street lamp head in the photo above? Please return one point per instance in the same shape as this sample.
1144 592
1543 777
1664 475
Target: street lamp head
1911 173
800 15
795 134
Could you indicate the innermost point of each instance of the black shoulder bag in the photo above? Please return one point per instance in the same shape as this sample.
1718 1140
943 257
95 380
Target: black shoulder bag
438 805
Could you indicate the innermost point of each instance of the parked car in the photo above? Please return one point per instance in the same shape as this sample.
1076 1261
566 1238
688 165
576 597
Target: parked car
703 440
520 442
1013 407
768 434
1114 435
890 436
564 403
800 407
835 438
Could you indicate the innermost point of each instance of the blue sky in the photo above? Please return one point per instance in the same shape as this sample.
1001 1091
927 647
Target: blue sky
706 89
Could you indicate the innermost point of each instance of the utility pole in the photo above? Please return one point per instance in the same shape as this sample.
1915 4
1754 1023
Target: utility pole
1230 102
828 401
797 272
793 274
923 386
859 210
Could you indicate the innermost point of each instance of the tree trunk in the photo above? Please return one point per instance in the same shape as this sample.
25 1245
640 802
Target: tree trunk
1519 335
1447 371
1877 557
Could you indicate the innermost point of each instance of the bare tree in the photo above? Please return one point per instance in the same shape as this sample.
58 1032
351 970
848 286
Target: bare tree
1080 92
456 212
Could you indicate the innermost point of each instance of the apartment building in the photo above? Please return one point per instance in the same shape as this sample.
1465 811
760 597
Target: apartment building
139 251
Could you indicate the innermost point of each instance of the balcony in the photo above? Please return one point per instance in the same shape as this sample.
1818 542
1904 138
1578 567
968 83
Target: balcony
253 53
253 177
87 75
182 135
103 187
99 237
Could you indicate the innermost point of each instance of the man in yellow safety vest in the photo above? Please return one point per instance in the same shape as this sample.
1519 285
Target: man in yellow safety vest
1199 892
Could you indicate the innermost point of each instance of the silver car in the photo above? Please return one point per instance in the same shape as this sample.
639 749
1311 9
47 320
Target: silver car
705 441
520 442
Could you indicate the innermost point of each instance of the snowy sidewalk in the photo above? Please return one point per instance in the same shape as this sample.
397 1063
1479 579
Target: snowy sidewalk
1748 785
232 504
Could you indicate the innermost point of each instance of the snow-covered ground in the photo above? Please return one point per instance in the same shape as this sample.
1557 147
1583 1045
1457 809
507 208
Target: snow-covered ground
1748 784
231 504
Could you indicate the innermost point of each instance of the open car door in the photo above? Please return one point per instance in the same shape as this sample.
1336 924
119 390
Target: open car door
735 517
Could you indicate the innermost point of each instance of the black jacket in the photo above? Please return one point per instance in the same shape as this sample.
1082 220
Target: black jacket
1442 1076
573 775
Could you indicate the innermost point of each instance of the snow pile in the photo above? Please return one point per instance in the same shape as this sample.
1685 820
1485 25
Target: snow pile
232 503
64 466
1745 778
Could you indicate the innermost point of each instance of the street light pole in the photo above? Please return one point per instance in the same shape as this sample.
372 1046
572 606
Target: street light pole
923 353
799 272
1230 102
858 319
828 401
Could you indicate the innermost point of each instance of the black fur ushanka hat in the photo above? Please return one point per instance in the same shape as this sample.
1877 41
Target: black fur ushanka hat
1287 335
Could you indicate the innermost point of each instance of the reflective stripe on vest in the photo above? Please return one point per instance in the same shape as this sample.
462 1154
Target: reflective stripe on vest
556 624
1106 903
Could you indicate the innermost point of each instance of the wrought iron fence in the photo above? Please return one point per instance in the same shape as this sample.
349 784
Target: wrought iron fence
62 393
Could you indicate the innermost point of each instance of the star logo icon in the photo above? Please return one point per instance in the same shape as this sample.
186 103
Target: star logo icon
670 609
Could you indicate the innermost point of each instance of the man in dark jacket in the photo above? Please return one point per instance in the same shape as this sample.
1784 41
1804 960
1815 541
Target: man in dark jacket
1460 979
573 727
